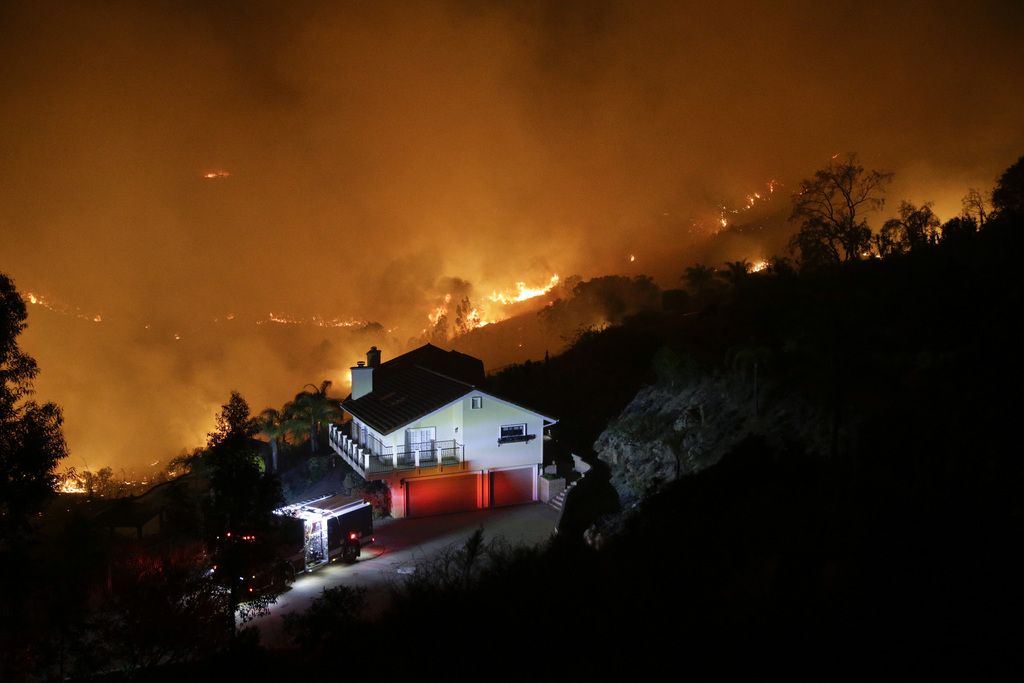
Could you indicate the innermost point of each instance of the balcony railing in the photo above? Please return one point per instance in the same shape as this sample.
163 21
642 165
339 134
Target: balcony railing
373 457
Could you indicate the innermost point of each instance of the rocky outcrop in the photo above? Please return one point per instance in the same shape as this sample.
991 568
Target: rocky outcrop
668 432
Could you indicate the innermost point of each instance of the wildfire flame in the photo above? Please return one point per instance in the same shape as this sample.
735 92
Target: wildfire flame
751 201
522 292
475 320
62 309
216 174
440 311
70 485
469 317
318 321
758 266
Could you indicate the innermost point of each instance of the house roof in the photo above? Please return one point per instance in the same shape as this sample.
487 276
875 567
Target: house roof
403 394
416 384
452 364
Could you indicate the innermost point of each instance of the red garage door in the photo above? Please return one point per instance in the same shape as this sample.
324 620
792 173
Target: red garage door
512 487
441 495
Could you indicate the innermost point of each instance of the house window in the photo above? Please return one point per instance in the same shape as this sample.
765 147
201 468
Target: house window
514 434
477 402
513 431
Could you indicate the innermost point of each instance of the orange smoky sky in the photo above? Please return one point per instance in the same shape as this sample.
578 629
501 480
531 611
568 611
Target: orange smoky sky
167 164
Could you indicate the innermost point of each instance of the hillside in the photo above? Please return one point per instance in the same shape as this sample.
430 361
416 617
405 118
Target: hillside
864 513
817 465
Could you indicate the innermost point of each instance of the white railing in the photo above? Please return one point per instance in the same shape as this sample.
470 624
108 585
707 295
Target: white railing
435 454
342 444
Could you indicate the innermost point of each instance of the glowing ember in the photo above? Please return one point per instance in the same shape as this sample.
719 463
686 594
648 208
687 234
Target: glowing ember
522 292
632 258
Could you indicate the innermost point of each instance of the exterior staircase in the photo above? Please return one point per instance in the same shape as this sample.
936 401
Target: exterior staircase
558 501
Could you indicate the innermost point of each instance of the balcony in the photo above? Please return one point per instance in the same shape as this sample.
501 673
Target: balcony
374 458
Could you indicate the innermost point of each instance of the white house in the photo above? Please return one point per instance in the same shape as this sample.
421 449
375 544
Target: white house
420 424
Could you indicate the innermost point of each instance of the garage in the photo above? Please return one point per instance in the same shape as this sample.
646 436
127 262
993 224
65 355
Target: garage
512 487
441 495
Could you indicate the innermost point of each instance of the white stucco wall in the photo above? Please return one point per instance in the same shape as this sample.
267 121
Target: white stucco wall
478 430
445 421
482 427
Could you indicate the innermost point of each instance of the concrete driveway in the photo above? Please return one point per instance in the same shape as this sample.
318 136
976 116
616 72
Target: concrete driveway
400 545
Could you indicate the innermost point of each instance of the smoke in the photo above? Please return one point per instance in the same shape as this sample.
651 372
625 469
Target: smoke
376 149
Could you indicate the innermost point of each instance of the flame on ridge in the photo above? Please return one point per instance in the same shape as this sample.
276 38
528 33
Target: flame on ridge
750 202
470 317
522 292
62 309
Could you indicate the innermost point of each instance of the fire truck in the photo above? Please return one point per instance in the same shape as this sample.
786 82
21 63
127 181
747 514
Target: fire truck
306 536
332 528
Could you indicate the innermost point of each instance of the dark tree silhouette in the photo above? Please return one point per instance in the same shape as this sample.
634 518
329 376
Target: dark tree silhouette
915 228
234 425
1008 195
31 435
958 228
830 208
242 497
703 283
975 207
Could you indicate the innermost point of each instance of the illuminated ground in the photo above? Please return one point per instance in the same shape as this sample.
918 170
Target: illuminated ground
400 545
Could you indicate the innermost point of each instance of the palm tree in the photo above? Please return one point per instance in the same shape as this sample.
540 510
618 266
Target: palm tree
702 283
309 410
699 277
272 424
294 421
735 271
